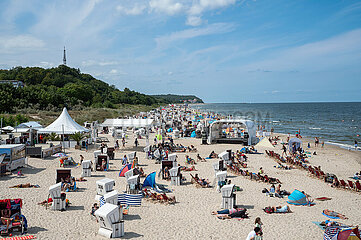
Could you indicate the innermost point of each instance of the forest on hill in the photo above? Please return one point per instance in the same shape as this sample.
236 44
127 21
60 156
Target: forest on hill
54 88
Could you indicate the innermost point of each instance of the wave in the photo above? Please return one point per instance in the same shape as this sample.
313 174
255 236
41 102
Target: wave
276 121
315 128
344 146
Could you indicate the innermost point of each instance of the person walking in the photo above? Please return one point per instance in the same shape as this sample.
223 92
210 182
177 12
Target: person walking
136 142
123 142
355 144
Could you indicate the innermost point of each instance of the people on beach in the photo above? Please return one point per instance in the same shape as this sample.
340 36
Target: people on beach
136 142
254 233
81 159
355 144
316 141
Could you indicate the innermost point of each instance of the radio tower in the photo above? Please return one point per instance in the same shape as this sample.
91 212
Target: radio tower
64 58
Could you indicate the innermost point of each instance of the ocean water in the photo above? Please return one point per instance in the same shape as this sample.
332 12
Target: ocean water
337 123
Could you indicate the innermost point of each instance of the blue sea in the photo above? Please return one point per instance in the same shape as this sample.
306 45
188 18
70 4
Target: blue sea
335 123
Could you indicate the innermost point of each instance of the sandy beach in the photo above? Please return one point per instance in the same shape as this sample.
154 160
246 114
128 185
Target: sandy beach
190 217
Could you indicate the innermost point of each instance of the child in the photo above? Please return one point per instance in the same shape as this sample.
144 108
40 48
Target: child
94 208
258 223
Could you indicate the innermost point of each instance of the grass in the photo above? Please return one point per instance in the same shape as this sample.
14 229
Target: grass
83 115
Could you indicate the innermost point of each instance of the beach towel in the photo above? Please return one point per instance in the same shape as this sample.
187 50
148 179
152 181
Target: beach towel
323 198
319 225
333 215
20 238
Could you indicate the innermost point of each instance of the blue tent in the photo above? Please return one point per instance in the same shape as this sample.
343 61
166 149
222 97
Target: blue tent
150 180
193 134
298 198
170 130
294 141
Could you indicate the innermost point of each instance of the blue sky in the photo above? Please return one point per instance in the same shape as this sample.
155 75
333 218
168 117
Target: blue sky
219 50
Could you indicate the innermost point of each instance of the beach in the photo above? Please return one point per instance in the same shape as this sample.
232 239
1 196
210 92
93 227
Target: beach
190 217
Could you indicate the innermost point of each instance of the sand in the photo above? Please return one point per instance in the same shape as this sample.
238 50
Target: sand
190 217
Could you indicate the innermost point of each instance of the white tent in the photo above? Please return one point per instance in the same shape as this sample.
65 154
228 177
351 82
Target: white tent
133 122
7 128
64 124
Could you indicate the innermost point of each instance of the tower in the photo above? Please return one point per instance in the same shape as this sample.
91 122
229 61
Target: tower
64 57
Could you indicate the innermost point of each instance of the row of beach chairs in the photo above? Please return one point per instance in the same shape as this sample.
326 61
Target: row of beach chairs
253 176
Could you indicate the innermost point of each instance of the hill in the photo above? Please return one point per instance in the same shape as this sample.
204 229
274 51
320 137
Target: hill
172 98
52 89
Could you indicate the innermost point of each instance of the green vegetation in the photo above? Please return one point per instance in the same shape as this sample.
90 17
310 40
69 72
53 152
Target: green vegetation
52 89
9 120
172 98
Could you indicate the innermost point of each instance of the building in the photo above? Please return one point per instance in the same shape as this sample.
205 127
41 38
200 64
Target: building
15 83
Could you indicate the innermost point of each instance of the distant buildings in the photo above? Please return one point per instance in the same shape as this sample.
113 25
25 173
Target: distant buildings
190 100
15 83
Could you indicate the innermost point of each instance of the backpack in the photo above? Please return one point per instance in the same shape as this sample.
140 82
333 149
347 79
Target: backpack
268 210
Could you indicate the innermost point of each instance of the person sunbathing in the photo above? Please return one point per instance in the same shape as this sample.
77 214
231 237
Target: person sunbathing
81 179
199 158
213 155
141 172
201 181
334 214
189 160
227 211
26 185
279 209
189 169
237 214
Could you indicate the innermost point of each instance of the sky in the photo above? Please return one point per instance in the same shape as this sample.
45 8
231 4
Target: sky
219 50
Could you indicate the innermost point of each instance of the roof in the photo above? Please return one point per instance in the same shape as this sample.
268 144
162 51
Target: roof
30 124
11 145
133 122
64 124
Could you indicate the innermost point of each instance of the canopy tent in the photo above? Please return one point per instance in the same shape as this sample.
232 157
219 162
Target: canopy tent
134 122
294 141
64 124
265 143
298 198
8 128
30 124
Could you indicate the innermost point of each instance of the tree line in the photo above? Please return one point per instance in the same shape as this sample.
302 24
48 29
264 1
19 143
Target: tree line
54 88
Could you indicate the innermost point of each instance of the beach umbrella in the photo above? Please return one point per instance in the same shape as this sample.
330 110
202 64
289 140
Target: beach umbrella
59 155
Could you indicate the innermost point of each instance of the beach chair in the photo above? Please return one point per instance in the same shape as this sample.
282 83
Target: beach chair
343 183
350 183
198 184
357 186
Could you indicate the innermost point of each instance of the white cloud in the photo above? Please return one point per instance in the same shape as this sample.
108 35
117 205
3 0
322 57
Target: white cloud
113 71
194 21
96 63
20 41
335 52
200 6
216 28
137 9
166 6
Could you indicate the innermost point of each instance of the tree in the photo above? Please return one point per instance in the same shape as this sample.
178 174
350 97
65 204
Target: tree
78 136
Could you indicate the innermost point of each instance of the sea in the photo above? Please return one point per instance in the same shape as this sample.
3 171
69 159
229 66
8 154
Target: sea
337 123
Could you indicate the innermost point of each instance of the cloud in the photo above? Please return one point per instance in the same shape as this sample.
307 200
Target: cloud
166 6
20 41
216 28
194 21
334 52
96 63
137 9
198 7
